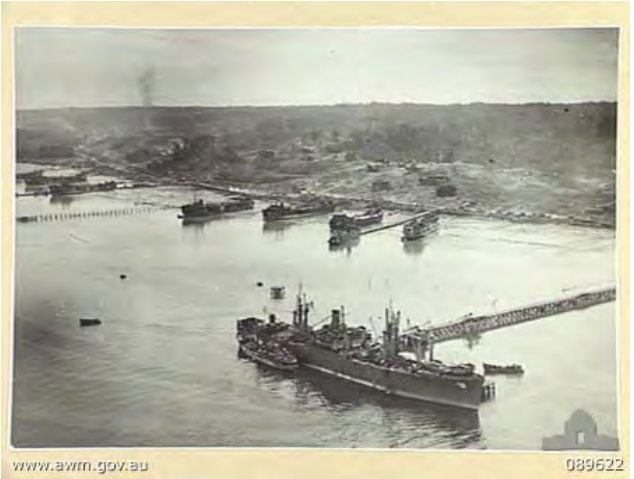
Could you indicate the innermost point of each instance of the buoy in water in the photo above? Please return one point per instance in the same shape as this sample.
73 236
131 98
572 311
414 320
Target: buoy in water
259 284
278 292
123 276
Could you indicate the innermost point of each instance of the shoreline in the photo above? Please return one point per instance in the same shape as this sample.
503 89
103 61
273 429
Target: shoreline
391 205
360 202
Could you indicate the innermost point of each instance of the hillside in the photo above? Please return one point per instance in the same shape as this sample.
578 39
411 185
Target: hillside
536 158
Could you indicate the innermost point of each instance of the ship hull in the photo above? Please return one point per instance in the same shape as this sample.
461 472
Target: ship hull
458 392
291 216
201 212
198 218
420 234
209 215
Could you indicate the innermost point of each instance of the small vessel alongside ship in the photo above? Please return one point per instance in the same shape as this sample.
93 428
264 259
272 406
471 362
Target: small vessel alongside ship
352 354
420 226
511 369
256 342
269 354
200 210
281 210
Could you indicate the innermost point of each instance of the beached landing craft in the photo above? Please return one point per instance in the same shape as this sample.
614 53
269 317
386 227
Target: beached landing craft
368 217
421 226
199 210
281 211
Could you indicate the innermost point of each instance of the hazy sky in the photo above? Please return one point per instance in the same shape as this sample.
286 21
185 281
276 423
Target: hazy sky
58 67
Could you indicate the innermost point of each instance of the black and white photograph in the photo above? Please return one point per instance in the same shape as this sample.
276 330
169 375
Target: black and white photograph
337 238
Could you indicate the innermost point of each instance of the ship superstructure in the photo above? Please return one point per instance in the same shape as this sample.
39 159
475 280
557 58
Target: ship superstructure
420 226
353 354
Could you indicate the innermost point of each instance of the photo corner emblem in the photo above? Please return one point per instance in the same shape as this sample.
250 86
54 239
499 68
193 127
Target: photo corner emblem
580 434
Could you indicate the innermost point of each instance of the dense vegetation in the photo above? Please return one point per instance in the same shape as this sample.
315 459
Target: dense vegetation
547 156
580 136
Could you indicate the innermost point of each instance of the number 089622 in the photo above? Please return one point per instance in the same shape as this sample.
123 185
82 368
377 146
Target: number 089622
594 464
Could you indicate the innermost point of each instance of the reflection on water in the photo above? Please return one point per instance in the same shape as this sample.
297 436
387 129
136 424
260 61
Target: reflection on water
161 369
203 221
62 200
196 223
472 340
347 245
276 226
461 427
414 247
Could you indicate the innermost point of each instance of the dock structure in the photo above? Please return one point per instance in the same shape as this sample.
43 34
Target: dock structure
72 215
392 225
468 327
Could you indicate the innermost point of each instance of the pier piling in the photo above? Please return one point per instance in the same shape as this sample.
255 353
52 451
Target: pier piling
44 217
475 325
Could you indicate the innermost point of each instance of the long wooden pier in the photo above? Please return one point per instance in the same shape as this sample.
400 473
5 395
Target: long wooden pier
72 215
391 225
475 325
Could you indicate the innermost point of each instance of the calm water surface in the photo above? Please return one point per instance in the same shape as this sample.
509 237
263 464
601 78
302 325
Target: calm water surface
162 368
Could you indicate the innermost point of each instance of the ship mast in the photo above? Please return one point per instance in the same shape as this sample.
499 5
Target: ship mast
300 313
391 336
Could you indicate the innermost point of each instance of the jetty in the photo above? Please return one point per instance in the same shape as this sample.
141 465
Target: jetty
392 225
470 326
72 215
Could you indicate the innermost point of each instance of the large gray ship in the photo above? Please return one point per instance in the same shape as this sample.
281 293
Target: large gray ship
351 353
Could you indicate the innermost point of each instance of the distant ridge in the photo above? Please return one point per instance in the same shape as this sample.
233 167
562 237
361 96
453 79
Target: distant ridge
333 105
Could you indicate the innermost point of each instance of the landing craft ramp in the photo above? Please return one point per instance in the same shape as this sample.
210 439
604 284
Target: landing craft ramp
475 325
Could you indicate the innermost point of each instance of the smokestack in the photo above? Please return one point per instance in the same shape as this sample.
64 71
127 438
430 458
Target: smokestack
146 86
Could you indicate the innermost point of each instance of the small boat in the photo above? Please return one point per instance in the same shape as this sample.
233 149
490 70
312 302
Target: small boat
340 221
420 227
269 354
278 292
514 369
89 321
437 367
256 329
